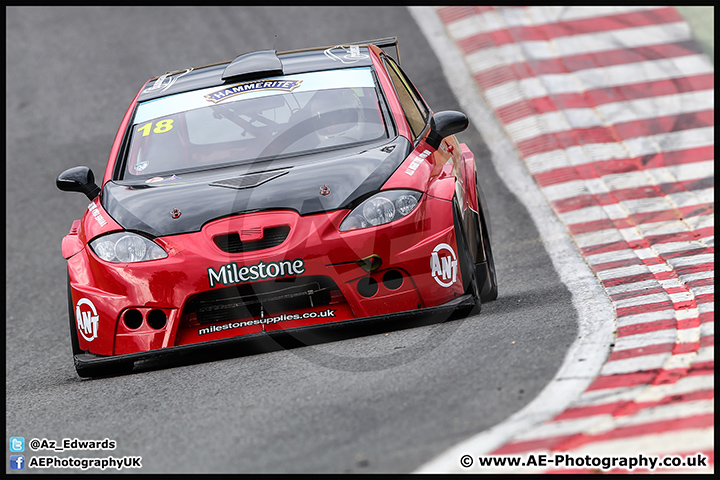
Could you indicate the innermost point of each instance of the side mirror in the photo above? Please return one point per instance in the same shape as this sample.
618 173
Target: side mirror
445 123
78 179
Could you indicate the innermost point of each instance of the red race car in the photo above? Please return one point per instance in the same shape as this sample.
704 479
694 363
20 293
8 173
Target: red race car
282 190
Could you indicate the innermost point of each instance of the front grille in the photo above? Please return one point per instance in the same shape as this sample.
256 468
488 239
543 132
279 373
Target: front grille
260 299
272 237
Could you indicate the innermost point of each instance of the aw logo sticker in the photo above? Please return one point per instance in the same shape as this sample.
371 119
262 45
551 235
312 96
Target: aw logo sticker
87 319
444 265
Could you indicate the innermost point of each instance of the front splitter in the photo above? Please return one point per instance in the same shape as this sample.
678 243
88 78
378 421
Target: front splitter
90 365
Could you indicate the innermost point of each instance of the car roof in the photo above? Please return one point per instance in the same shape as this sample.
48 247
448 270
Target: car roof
261 64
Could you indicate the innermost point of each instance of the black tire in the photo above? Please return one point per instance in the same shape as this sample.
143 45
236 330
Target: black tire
467 270
485 271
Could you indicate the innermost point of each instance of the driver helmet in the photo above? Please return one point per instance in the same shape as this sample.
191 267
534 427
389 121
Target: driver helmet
335 112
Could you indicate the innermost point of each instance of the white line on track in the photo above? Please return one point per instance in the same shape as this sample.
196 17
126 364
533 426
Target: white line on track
533 16
641 318
604 41
632 147
594 311
490 57
651 393
610 113
598 424
636 179
601 77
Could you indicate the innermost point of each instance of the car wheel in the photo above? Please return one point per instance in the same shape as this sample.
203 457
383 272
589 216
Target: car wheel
485 271
467 272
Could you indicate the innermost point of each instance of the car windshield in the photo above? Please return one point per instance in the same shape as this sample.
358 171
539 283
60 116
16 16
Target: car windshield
250 121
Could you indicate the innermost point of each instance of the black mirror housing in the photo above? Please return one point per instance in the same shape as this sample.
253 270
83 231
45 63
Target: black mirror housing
445 123
78 179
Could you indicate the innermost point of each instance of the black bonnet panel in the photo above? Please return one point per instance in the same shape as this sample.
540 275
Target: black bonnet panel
184 203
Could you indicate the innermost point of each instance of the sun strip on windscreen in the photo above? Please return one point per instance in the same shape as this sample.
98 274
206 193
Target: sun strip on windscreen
182 102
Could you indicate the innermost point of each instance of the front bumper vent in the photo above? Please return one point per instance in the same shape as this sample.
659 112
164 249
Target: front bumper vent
260 299
272 237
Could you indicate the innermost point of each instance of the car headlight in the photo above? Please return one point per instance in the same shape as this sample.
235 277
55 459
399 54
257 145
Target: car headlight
126 247
381 208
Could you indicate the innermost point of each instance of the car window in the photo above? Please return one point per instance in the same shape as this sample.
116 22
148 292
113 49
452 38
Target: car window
249 121
416 111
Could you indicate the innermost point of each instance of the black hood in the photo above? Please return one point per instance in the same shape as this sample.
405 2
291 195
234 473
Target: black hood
289 184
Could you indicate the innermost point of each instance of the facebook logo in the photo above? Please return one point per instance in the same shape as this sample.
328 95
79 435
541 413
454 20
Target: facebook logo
17 444
17 462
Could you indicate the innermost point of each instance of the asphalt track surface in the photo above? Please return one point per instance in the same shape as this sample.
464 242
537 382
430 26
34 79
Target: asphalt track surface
387 402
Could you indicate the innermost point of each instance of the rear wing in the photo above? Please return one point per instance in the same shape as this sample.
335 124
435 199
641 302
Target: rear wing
385 44
266 61
388 44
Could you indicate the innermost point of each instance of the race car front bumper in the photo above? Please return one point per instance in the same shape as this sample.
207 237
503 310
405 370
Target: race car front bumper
209 290
90 365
